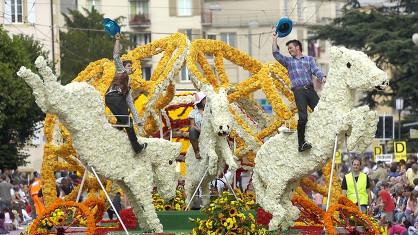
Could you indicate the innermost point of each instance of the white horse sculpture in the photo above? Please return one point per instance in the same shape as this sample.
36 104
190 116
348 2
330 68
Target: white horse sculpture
278 164
213 145
81 109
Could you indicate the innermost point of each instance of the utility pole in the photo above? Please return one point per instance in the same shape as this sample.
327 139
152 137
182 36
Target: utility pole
52 32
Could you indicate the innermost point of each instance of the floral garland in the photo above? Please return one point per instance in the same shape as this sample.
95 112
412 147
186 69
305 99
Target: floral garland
162 77
335 187
49 165
55 216
310 214
351 211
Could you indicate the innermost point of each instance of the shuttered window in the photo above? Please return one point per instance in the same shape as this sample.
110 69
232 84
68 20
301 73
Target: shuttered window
19 11
184 7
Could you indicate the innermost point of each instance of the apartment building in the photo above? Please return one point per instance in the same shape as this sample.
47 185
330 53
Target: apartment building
33 18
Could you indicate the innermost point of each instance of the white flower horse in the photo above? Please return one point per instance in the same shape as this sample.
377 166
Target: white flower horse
278 164
214 149
81 109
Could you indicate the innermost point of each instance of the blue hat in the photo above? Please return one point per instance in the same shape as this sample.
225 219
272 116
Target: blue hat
283 27
110 26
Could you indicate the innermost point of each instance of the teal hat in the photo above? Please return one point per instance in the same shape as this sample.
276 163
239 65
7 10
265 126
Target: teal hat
283 27
111 27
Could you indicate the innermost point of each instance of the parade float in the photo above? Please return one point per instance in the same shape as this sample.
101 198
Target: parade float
80 138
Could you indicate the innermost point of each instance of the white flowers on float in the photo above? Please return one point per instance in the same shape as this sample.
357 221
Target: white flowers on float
279 166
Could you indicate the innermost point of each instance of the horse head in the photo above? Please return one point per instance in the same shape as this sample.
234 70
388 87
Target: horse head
358 70
164 168
64 101
217 107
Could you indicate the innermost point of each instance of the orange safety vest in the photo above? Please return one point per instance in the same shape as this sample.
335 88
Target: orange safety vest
35 187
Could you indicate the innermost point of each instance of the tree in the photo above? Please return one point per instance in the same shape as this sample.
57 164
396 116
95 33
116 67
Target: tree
82 42
18 110
385 35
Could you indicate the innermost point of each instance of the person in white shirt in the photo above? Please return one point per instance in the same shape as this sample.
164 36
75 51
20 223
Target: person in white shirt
195 117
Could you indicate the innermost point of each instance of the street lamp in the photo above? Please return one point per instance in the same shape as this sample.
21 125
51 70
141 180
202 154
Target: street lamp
415 38
399 107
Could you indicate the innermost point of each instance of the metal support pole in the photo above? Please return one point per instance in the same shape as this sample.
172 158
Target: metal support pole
399 125
82 184
229 186
110 201
332 171
197 188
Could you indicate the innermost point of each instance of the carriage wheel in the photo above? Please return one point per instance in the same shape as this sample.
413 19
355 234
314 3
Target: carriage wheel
60 216
347 217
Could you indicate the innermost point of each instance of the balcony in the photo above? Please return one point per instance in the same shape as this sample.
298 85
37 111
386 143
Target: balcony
206 18
140 21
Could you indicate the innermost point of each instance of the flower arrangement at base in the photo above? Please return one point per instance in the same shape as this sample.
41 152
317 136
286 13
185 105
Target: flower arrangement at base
62 215
178 203
227 215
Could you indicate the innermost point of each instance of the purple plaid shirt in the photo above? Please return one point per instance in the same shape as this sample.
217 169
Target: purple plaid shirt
300 69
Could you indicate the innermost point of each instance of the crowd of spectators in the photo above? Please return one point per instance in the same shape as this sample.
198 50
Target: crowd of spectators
394 193
21 196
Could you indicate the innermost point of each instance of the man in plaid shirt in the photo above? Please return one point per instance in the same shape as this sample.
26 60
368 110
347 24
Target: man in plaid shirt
300 69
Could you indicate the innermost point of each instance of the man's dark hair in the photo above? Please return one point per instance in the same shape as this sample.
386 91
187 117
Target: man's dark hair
125 62
355 159
295 43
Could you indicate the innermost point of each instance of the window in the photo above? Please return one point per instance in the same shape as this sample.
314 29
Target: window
229 38
146 73
211 36
140 7
184 8
94 3
184 75
141 39
16 11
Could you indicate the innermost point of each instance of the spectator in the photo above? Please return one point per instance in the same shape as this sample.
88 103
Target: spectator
397 229
411 207
5 193
411 174
358 192
34 190
9 220
2 228
117 204
386 202
380 173
393 171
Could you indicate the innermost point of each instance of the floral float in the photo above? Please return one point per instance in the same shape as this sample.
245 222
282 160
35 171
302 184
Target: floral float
278 162
80 108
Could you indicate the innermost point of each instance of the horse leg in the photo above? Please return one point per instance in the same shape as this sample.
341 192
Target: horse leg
259 187
363 125
271 202
206 190
227 155
292 213
142 190
136 206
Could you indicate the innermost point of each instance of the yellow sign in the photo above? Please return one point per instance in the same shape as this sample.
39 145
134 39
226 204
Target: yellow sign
338 157
399 150
378 150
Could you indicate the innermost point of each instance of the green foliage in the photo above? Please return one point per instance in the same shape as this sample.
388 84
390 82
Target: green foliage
18 111
387 39
83 42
